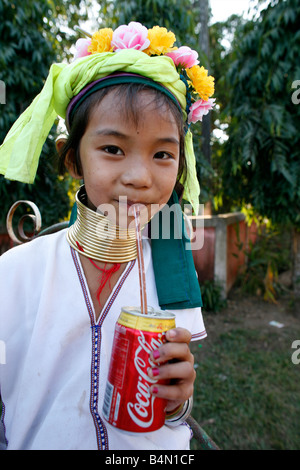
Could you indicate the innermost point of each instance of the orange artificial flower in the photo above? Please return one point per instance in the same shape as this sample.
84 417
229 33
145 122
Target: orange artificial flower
202 83
101 41
161 41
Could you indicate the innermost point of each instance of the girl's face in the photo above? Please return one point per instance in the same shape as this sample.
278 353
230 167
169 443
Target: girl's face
124 163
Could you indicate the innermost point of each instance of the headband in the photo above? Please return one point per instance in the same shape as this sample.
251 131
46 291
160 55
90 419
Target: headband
129 49
110 80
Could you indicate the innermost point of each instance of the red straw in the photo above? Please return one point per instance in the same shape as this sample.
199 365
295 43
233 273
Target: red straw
140 261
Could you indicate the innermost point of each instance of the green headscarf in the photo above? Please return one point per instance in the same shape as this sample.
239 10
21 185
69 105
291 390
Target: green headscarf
21 149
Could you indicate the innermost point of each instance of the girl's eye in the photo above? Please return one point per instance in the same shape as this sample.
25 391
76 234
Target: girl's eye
162 155
113 149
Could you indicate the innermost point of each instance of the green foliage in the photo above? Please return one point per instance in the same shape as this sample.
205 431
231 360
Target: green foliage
221 57
261 161
31 39
212 298
172 14
267 257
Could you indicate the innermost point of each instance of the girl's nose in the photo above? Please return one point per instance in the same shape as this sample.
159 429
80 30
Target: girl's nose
138 175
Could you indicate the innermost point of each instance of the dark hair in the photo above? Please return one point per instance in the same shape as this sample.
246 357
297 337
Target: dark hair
130 95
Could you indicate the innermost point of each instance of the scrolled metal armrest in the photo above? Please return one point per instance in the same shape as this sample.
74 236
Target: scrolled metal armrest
36 218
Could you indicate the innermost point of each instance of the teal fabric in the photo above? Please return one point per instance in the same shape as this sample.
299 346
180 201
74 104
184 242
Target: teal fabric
175 275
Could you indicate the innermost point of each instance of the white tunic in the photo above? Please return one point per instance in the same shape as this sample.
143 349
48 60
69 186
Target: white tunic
57 356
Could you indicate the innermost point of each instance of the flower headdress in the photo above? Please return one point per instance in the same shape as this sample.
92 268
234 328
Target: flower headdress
130 49
156 41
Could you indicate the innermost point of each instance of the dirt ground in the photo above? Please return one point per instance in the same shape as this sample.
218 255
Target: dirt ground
254 313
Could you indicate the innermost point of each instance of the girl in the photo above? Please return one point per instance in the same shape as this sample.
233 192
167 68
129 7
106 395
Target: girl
125 111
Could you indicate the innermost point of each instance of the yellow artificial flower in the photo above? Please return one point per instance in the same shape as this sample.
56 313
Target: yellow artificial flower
101 41
161 41
203 84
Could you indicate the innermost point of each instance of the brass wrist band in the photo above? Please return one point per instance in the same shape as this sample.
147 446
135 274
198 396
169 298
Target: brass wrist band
180 414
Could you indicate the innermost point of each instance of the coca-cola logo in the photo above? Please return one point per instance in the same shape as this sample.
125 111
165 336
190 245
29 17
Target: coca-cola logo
141 410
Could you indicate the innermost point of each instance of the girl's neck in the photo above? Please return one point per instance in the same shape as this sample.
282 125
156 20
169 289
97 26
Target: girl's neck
94 237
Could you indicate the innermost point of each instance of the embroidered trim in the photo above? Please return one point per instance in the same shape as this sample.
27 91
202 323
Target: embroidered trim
101 431
189 428
200 335
2 422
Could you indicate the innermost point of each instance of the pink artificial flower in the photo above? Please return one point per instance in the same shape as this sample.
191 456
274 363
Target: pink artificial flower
184 56
82 48
132 36
199 109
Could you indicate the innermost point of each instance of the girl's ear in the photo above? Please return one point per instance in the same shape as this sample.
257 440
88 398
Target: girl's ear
59 143
70 157
70 164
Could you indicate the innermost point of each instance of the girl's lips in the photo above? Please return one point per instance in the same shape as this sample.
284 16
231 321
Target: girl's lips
127 202
136 207
131 206
132 203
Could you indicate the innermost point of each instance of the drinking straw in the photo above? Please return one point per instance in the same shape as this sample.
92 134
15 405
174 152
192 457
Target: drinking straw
140 257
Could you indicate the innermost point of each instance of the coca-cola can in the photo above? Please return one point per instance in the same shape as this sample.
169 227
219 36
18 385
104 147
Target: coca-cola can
128 404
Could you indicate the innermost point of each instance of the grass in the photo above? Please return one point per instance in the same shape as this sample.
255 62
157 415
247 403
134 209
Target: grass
247 390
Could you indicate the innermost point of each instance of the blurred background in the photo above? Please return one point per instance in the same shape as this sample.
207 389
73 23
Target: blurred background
248 165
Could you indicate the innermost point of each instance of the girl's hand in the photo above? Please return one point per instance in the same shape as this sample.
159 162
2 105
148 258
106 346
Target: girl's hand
174 361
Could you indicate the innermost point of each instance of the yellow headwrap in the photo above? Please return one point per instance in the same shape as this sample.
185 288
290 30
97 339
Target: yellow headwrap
20 151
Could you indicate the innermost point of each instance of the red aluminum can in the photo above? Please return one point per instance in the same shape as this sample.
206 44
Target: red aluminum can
128 404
